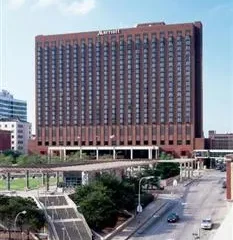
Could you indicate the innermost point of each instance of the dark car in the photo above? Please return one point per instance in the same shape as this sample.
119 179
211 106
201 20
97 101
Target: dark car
218 167
172 218
223 169
224 184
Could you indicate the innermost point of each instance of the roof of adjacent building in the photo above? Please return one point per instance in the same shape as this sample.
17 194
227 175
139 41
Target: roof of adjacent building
12 120
4 94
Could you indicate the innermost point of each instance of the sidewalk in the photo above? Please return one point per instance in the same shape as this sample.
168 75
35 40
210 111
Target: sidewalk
140 219
225 230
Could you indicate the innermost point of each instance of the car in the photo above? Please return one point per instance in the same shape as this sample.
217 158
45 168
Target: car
206 223
218 167
172 218
223 169
224 184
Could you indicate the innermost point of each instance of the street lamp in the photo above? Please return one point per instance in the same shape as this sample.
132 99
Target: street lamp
97 149
114 151
23 212
63 233
139 207
52 210
79 143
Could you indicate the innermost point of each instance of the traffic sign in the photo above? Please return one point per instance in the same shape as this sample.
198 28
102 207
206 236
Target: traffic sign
139 208
174 183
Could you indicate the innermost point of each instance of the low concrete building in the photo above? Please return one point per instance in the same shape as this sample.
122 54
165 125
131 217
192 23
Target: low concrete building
220 140
20 133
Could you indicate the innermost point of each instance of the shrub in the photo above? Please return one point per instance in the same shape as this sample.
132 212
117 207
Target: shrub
146 198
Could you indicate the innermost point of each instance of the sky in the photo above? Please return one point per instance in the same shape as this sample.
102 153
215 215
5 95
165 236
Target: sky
22 20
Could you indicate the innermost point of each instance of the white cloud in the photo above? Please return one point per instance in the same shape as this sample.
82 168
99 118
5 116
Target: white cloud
15 4
223 8
73 7
80 7
46 3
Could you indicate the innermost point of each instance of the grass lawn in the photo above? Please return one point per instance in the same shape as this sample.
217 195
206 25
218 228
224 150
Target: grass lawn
20 183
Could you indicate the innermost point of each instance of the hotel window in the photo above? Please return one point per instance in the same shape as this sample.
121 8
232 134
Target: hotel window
137 77
121 105
90 89
187 80
83 77
129 85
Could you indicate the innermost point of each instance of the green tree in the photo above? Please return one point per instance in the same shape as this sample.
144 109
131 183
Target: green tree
152 172
23 160
75 157
56 159
96 205
122 192
6 160
12 153
11 206
165 156
31 160
168 170
33 221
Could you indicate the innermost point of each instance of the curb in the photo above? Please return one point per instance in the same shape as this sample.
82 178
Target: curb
144 222
164 209
193 180
187 184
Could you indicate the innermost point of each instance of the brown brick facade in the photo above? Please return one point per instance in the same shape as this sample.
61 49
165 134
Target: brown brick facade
229 177
143 85
5 140
220 140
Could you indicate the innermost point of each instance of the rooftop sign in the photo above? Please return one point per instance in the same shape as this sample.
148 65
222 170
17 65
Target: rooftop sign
109 32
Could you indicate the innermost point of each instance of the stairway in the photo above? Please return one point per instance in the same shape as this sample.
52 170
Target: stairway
67 221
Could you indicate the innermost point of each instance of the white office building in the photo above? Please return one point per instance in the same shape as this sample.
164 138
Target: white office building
20 134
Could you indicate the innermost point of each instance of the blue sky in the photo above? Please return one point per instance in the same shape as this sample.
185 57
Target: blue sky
22 20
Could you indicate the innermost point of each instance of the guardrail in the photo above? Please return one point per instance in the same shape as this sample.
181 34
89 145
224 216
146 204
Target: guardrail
47 217
71 203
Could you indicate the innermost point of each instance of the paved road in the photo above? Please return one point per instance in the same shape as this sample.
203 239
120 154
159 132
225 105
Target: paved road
203 198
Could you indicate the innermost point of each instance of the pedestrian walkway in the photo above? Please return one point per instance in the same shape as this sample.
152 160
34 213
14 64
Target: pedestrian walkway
68 222
140 219
225 230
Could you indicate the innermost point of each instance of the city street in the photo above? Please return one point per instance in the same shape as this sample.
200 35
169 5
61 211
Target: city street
203 198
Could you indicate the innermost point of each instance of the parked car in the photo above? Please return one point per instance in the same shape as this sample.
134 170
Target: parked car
206 223
172 218
218 167
224 184
223 169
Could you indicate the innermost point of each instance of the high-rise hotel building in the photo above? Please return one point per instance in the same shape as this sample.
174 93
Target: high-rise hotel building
138 86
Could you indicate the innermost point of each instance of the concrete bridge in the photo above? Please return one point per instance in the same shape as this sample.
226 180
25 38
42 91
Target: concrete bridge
86 172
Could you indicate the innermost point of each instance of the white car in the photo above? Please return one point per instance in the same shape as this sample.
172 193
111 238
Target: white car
206 223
